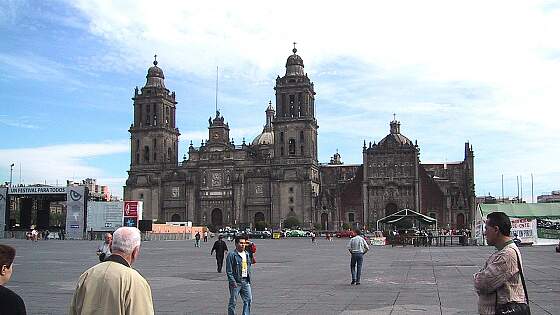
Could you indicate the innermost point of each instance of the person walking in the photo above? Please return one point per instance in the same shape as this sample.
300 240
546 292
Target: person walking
197 239
104 249
34 235
10 302
357 246
220 248
238 270
113 287
312 234
205 236
500 284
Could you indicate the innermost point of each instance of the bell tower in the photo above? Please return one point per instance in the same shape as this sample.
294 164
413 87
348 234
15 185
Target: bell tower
154 137
295 126
295 165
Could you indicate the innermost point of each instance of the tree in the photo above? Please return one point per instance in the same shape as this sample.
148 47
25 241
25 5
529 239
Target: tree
291 222
260 225
346 226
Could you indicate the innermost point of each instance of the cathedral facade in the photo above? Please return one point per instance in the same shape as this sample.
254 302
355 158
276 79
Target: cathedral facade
278 175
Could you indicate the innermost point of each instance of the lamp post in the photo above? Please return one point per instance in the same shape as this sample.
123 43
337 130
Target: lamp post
11 172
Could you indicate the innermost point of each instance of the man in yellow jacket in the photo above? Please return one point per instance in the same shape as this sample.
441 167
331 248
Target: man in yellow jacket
113 287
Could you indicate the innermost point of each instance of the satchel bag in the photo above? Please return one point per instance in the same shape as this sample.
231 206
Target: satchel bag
513 308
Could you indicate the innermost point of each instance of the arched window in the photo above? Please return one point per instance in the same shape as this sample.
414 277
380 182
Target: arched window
169 154
284 110
301 136
301 150
292 147
292 105
281 151
281 137
146 154
148 114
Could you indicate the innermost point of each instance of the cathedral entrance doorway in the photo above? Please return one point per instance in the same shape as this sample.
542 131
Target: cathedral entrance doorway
259 221
324 221
460 221
390 208
175 218
217 218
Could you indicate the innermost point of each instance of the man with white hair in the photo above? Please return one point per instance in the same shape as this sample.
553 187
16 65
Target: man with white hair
113 287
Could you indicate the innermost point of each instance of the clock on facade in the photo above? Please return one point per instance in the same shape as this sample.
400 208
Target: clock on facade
258 189
216 179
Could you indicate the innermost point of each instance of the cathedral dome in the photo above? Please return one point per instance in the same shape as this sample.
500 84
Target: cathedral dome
265 138
294 64
395 135
155 77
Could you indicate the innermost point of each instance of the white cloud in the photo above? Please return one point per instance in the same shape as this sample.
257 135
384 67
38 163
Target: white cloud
20 122
57 163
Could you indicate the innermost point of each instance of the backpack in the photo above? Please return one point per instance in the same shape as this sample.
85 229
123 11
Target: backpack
253 250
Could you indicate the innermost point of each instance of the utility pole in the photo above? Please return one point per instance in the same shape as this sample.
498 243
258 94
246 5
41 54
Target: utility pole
11 172
502 188
517 178
521 187
532 191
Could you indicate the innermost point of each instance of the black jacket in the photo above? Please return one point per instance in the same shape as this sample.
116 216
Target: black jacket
220 247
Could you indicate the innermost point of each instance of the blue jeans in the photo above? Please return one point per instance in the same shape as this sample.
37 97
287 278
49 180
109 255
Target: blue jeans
243 289
357 258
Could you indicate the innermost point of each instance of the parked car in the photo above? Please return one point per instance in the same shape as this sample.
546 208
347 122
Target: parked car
345 233
259 234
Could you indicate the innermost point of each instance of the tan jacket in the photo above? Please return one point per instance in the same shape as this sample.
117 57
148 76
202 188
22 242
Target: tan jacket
500 276
112 288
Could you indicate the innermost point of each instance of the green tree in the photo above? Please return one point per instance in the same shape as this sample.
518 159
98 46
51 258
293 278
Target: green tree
291 222
346 226
260 225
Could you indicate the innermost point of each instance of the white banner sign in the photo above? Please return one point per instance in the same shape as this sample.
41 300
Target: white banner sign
37 190
525 229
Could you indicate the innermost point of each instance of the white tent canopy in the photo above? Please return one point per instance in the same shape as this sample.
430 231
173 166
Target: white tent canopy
406 213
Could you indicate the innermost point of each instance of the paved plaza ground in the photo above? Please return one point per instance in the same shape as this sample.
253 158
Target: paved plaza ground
292 276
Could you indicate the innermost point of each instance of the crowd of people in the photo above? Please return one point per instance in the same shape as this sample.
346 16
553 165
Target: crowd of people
113 286
36 235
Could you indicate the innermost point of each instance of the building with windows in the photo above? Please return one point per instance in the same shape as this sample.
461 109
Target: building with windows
553 197
278 175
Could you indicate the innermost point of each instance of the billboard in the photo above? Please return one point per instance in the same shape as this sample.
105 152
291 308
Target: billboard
104 216
526 229
548 228
132 213
75 213
38 190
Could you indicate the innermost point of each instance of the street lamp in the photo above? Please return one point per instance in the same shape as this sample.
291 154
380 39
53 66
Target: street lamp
11 171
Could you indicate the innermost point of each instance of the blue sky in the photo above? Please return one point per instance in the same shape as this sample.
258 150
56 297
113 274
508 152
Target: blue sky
475 71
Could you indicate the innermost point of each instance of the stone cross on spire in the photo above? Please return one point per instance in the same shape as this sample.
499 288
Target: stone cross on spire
295 49
155 60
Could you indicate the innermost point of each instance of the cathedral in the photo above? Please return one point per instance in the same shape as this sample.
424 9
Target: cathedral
278 176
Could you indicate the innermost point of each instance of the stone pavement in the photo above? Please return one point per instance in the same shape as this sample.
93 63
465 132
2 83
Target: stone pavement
291 276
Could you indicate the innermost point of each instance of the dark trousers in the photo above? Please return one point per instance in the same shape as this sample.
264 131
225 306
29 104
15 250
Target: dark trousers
357 259
220 262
